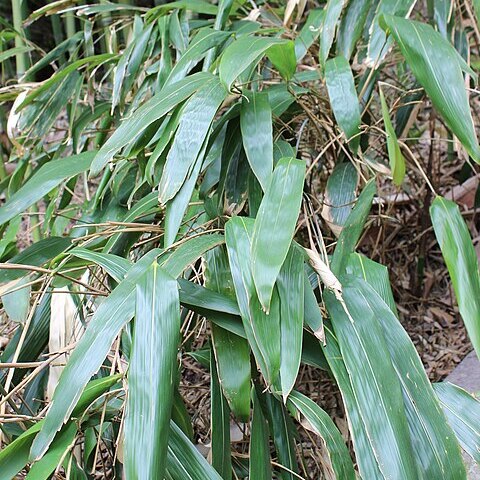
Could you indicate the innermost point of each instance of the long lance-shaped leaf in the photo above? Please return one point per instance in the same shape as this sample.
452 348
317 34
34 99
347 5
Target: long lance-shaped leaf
434 445
117 267
36 255
379 44
104 326
43 469
344 98
463 414
262 330
459 254
43 181
290 286
397 162
275 225
309 32
353 227
150 374
351 26
367 458
257 134
259 453
374 381
184 461
247 51
339 196
323 425
205 39
438 67
195 122
128 65
14 456
232 352
220 426
149 112
329 27
375 274
283 432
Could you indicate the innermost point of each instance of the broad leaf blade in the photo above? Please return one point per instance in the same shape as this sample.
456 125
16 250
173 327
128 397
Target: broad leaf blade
155 108
275 225
290 285
150 374
463 414
262 330
195 122
323 425
459 254
43 181
397 162
374 382
257 134
259 453
434 446
343 98
438 67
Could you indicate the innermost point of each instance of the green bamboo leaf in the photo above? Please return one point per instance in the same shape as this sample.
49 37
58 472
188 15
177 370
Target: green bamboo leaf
434 445
313 316
309 32
364 448
379 44
16 303
333 11
275 225
54 54
290 286
375 274
442 13
104 326
36 255
177 206
463 414
14 456
42 182
150 374
43 469
351 26
282 55
257 134
457 249
57 77
397 162
232 352
339 196
195 122
220 426
155 108
262 330
374 381
343 98
438 67
204 40
247 51
127 67
353 227
323 425
11 52
117 267
259 452
283 432
184 461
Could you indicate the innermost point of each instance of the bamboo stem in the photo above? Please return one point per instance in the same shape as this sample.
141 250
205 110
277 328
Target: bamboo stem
20 57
